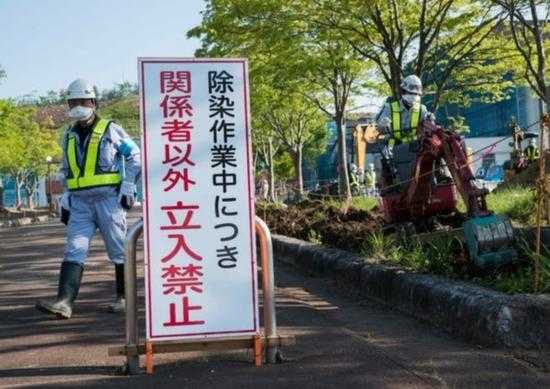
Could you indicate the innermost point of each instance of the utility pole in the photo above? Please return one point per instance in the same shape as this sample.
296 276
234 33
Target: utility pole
543 191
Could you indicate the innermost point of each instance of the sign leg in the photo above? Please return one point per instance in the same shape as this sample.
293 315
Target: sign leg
257 351
149 357
268 285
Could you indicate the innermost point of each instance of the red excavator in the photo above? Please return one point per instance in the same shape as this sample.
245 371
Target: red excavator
413 193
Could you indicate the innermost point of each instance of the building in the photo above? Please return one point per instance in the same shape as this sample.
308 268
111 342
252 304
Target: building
490 122
493 119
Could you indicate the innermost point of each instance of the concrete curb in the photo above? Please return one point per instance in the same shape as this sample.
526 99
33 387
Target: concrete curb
14 218
477 314
24 221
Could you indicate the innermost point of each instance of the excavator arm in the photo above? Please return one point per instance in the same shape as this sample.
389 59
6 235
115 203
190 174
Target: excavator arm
439 143
489 237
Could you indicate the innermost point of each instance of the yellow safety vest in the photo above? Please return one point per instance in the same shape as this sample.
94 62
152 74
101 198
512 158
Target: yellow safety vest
370 177
532 153
399 135
91 177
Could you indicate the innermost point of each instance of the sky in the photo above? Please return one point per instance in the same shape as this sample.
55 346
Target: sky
46 44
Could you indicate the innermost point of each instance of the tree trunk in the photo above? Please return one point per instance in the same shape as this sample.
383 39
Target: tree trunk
396 80
31 188
343 175
297 159
18 185
545 102
272 196
30 194
30 182
255 161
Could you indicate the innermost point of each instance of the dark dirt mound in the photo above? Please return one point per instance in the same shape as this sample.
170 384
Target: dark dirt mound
526 178
315 220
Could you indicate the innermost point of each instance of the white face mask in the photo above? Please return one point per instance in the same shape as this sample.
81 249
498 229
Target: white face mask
411 100
80 113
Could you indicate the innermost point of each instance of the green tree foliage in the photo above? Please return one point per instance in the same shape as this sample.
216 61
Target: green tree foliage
24 147
300 129
51 98
453 45
32 128
458 125
266 146
125 112
290 53
336 73
529 28
119 91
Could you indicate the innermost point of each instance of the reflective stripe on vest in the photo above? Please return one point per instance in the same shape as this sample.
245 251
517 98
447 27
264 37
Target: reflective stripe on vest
403 136
91 177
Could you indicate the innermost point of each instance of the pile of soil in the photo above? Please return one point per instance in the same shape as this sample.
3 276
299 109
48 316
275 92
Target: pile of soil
526 178
315 220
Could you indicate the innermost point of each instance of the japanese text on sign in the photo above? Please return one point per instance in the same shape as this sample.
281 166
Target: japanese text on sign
200 260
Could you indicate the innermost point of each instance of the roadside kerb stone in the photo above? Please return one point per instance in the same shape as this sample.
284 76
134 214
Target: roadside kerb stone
474 313
23 221
14 218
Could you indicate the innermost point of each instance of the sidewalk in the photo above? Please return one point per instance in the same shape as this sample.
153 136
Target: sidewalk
341 341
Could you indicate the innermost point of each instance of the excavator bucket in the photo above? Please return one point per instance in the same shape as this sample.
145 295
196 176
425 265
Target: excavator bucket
490 241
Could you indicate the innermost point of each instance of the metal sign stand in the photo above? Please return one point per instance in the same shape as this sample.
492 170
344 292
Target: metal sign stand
270 340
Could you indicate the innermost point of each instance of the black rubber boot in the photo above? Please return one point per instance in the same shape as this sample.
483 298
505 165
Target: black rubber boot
69 284
120 303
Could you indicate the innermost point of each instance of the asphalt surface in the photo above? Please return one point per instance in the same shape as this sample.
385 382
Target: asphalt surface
341 340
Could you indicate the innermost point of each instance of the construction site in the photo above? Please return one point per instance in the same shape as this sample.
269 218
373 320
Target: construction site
288 194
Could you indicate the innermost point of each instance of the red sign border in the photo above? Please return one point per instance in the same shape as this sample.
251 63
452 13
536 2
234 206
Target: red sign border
244 63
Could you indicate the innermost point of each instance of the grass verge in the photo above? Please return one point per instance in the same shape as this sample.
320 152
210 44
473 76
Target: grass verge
444 256
321 222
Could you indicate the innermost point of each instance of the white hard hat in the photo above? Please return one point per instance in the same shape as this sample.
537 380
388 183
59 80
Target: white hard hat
412 84
371 166
80 89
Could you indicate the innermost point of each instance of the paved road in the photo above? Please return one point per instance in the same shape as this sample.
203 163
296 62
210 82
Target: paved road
341 340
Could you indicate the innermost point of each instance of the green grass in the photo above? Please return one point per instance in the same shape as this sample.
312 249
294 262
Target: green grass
521 278
440 257
519 281
444 255
424 257
364 203
517 203
378 245
359 202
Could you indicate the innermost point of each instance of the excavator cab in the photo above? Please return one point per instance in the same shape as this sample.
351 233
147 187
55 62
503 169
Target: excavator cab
439 196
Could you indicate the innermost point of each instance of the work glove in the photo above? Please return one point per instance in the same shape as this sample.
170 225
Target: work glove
65 208
384 126
126 195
